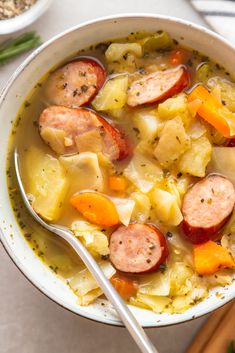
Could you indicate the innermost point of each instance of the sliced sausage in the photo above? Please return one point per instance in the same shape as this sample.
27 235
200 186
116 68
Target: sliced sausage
75 83
137 249
157 86
68 130
206 208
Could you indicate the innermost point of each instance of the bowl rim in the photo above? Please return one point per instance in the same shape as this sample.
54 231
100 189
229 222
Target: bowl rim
3 93
14 24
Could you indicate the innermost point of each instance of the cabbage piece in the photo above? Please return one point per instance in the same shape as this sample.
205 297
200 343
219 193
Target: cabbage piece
89 297
159 40
54 138
116 51
195 160
196 129
166 207
176 106
173 142
83 282
84 171
92 237
47 184
180 275
147 123
227 91
142 207
223 162
202 72
124 208
113 95
91 141
143 172
155 284
157 303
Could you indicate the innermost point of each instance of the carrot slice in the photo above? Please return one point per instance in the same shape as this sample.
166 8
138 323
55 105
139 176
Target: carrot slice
178 57
96 208
124 286
210 257
213 111
117 183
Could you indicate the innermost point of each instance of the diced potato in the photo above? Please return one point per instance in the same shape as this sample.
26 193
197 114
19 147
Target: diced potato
156 284
124 208
83 283
84 171
171 186
143 172
54 138
147 123
159 40
46 182
142 207
116 51
176 106
113 95
195 160
173 142
227 91
92 237
157 303
183 184
166 207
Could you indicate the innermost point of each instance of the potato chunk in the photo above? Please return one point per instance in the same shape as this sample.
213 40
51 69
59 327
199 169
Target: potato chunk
46 183
173 142
195 160
147 123
166 207
176 106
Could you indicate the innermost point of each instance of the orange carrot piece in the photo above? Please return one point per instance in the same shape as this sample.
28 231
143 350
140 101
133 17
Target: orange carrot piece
96 208
178 57
210 257
117 183
124 286
213 111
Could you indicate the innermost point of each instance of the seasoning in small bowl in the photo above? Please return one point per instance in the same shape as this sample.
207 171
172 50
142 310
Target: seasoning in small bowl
13 8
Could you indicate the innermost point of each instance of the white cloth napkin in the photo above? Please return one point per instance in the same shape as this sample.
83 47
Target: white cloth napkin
220 14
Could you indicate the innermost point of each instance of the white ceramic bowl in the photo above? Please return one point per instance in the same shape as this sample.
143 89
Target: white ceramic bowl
25 19
22 82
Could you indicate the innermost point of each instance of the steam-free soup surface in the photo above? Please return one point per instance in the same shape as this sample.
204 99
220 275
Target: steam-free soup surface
130 144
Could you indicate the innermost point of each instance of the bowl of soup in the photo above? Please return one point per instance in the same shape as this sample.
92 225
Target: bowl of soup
125 130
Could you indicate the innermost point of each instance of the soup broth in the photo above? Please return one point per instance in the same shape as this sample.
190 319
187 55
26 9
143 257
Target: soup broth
164 145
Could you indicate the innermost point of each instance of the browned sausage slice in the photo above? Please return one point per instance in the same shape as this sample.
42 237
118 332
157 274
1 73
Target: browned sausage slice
137 249
75 83
157 86
68 130
206 208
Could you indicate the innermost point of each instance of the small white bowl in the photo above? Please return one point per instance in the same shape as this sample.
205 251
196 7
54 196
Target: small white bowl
25 19
11 99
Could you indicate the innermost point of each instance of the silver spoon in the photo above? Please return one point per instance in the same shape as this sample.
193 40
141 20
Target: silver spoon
134 328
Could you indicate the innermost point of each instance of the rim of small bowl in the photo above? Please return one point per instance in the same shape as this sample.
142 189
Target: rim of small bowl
184 317
26 18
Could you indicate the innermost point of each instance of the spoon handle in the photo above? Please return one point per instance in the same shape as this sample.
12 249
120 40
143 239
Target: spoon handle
122 309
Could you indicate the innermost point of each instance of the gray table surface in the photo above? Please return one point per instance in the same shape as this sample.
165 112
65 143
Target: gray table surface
30 322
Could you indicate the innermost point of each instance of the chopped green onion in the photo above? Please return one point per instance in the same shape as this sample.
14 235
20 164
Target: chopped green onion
14 47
